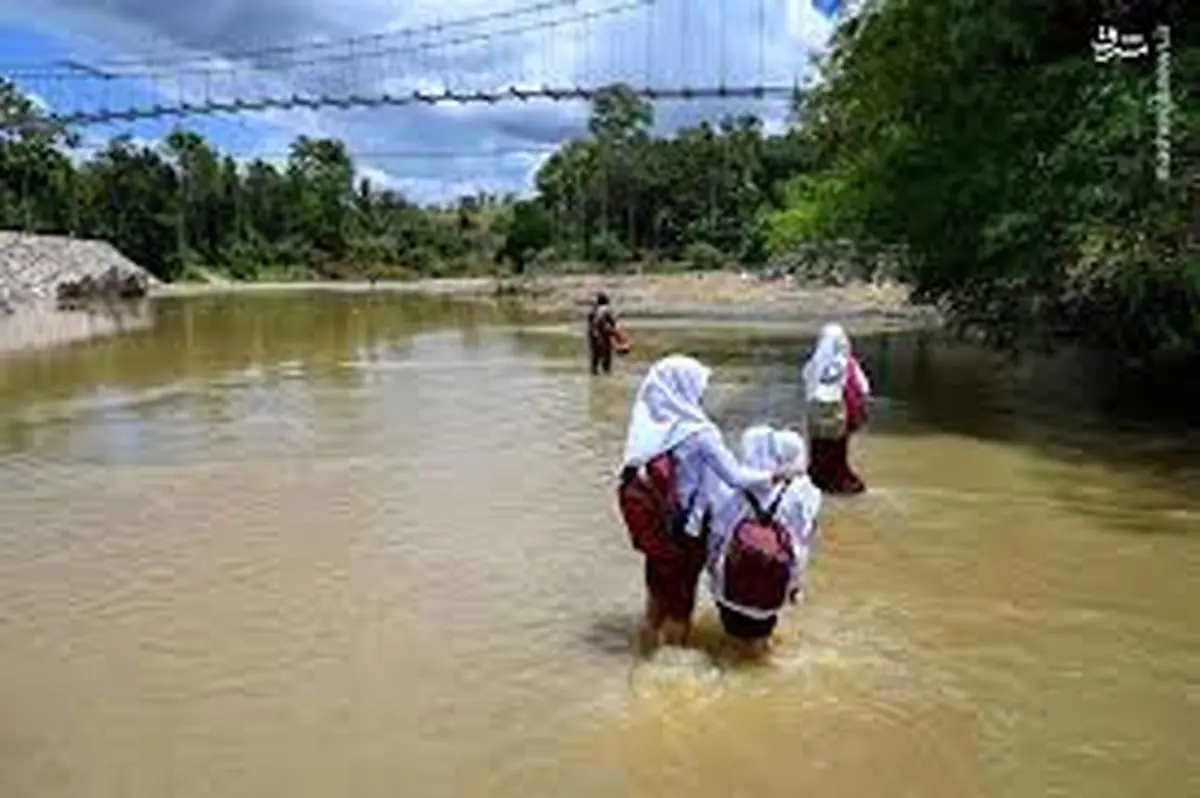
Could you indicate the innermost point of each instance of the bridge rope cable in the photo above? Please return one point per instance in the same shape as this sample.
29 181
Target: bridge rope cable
214 61
447 97
293 96
92 74
247 156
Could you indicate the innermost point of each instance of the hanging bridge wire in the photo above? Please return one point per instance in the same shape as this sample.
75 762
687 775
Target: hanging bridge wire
315 45
605 11
722 80
762 39
684 40
650 15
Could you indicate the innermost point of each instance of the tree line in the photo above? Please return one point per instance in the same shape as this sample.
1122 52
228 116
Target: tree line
615 196
974 149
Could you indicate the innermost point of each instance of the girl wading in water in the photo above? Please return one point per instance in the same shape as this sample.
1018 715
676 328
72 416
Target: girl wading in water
760 540
673 453
836 393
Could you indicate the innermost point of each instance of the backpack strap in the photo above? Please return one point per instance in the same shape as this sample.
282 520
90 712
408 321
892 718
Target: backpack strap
783 489
765 516
679 522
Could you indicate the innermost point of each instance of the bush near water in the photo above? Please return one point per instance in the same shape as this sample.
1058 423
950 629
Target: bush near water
974 150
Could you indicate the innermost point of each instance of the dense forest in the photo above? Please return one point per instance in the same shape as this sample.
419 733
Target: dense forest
974 149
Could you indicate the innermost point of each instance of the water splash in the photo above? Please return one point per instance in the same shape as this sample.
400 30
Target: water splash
674 674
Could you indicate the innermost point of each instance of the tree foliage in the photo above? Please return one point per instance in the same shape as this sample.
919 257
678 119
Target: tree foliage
1019 173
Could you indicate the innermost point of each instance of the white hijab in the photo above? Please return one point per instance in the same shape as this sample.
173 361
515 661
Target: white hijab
831 363
666 410
768 449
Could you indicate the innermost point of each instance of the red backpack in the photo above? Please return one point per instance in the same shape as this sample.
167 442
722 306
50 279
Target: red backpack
856 403
649 505
759 560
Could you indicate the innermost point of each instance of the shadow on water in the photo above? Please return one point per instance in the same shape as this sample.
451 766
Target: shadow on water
612 634
1080 411
1074 408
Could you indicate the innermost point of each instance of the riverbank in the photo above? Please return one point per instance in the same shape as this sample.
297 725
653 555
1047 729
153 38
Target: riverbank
724 296
716 296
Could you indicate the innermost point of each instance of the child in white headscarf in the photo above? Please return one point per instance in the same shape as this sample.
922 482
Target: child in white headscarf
787 519
836 392
673 455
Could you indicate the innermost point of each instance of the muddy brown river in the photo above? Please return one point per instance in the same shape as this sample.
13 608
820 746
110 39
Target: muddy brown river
336 545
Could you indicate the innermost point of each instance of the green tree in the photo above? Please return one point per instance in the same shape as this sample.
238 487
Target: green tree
985 139
529 231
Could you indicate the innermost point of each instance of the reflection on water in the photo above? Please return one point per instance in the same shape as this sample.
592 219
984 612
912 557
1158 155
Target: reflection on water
48 326
330 545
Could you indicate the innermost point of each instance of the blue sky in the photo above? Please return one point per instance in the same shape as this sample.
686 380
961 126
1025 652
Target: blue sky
495 148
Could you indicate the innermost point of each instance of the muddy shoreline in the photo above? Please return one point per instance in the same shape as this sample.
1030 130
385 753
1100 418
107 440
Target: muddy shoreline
716 296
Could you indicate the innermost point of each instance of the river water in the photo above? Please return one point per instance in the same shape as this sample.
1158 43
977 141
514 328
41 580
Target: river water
332 545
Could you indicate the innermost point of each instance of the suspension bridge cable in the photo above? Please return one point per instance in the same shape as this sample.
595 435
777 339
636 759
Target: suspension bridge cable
308 46
228 100
387 154
340 58
416 98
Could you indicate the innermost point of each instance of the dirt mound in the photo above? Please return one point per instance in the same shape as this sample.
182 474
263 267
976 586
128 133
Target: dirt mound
42 277
33 268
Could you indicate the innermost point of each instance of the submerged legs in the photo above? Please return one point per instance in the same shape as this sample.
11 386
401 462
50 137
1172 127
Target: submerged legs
830 469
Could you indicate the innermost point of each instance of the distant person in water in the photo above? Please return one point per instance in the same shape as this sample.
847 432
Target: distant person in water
836 393
601 334
673 455
760 539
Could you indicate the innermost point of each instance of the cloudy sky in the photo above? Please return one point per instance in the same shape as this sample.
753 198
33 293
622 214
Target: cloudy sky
167 52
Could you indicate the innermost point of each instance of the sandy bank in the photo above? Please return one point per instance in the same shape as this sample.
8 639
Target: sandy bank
467 287
714 295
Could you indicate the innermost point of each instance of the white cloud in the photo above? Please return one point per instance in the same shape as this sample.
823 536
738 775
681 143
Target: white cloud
39 103
806 24
664 43
379 178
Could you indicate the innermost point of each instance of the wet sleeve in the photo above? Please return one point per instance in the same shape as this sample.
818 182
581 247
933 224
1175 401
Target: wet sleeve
810 514
802 525
726 467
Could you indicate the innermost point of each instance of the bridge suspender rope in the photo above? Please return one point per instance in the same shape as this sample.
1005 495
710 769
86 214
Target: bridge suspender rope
275 78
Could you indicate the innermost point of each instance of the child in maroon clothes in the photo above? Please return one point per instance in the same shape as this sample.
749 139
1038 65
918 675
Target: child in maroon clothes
603 335
836 391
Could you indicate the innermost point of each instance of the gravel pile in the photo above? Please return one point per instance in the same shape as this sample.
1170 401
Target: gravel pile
33 266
